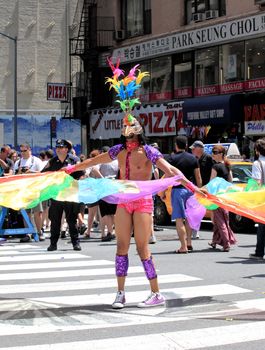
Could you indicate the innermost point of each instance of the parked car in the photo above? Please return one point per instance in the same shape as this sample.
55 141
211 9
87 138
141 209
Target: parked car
241 173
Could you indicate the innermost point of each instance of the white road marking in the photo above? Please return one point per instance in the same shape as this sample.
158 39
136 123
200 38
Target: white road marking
91 284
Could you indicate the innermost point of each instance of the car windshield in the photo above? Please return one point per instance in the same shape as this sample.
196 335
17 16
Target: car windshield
241 172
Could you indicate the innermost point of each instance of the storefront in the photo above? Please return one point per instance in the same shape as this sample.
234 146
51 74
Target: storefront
208 70
215 118
161 123
254 115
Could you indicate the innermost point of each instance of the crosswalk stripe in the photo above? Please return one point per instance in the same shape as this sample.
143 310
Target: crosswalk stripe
102 283
19 247
178 340
69 273
43 252
55 265
132 297
41 257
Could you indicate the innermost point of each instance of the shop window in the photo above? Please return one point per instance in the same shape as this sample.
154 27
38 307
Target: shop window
206 71
136 17
183 75
255 58
232 62
161 82
199 10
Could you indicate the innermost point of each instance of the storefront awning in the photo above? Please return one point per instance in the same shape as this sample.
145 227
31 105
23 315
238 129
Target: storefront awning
221 109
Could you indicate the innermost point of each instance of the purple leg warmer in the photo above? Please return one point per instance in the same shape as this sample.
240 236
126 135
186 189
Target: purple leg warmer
149 268
121 264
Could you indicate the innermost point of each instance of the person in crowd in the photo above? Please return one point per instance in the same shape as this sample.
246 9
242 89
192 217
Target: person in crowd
155 176
62 159
82 157
222 232
107 210
13 155
135 159
6 164
205 163
258 173
25 165
189 166
92 207
48 154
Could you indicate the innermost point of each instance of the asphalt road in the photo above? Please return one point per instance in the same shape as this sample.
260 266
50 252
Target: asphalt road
61 300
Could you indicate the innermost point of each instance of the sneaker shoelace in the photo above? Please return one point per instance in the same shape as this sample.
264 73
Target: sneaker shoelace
119 298
151 296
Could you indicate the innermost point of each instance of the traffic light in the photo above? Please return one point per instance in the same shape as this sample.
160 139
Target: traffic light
53 127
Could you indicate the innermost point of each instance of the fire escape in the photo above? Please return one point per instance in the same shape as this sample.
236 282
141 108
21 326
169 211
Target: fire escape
90 34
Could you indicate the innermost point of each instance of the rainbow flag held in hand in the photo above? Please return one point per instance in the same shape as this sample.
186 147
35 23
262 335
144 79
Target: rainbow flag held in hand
27 190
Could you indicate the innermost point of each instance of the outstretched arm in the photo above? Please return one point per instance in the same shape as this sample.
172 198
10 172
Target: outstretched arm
100 159
170 171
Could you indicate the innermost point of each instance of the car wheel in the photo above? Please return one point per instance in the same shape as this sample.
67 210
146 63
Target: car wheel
240 224
161 216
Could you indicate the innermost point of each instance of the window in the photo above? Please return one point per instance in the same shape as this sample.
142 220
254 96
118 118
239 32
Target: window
232 62
161 82
183 75
136 17
208 8
255 58
206 71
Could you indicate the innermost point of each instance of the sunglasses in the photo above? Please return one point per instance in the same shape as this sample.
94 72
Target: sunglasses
23 150
216 152
60 146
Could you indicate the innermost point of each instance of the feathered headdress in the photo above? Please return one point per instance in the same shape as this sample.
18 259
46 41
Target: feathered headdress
125 88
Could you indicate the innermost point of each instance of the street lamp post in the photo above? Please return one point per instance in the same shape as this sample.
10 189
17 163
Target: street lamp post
14 39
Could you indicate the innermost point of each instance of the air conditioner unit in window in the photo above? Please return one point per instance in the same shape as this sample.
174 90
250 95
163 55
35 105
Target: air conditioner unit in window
211 14
119 34
198 17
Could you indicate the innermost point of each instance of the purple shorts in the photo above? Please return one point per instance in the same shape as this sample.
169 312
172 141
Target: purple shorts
142 205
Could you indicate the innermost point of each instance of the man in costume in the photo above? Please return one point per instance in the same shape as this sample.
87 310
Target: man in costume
135 160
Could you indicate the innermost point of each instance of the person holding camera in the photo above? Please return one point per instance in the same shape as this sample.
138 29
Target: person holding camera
30 164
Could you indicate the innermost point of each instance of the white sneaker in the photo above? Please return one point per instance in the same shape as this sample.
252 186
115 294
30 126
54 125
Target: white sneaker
195 234
154 299
152 239
119 301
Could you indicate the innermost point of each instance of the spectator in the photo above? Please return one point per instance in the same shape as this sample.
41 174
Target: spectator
205 163
222 233
189 166
258 171
92 207
6 164
107 210
30 164
62 159
48 154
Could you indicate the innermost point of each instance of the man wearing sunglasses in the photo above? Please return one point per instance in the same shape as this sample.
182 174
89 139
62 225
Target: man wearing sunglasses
25 165
62 159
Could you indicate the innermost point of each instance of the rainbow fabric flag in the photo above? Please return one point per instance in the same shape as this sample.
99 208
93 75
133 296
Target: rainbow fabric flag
27 190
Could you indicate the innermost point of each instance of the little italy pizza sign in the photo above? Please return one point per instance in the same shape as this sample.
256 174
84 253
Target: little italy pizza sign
158 120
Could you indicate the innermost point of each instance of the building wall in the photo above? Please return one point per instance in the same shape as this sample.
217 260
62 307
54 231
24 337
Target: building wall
42 30
203 49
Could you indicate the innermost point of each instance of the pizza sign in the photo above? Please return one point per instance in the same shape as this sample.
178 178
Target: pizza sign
56 92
